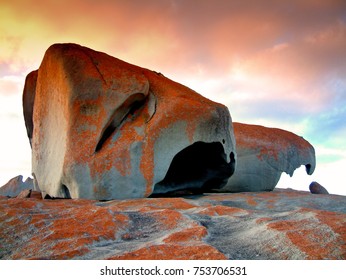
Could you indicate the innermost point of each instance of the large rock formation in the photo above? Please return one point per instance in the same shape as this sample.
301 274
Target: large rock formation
283 224
263 154
104 129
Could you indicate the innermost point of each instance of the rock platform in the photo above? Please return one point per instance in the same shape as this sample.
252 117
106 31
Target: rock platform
282 224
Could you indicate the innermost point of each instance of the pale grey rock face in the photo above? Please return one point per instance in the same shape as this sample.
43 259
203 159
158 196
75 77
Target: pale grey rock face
16 185
263 154
105 129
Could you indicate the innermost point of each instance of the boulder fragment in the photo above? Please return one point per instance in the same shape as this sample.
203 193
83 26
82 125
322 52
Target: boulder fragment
105 129
316 188
24 194
263 154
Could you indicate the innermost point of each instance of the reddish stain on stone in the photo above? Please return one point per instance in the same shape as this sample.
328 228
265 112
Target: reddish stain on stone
172 228
69 227
273 140
305 234
36 194
168 219
173 252
220 210
251 201
187 235
148 204
337 222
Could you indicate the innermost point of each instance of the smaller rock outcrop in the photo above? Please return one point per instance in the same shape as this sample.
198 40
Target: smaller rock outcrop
16 185
316 188
263 154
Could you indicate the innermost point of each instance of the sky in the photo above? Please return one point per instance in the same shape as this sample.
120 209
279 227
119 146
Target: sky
274 63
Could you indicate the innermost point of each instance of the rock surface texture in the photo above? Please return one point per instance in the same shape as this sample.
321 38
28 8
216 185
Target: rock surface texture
283 224
105 129
263 154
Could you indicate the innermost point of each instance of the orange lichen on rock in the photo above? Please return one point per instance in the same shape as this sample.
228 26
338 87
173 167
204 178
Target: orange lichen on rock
251 201
307 233
263 153
195 233
337 222
173 252
269 142
167 218
210 226
69 227
174 203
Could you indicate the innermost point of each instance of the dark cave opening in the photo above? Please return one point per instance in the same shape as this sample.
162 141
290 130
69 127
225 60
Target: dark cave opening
66 191
198 168
308 168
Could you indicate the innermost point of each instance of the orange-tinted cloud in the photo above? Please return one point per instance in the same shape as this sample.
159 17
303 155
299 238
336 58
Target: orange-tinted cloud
280 63
258 51
264 59
169 34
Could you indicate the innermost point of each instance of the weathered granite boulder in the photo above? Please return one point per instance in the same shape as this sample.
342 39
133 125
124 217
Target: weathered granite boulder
316 188
106 129
282 224
263 154
16 185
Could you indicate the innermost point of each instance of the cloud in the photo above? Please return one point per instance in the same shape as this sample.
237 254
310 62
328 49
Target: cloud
261 53
329 128
136 33
177 35
10 84
276 63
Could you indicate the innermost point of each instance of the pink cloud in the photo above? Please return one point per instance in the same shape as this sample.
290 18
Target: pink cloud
168 34
11 85
280 62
